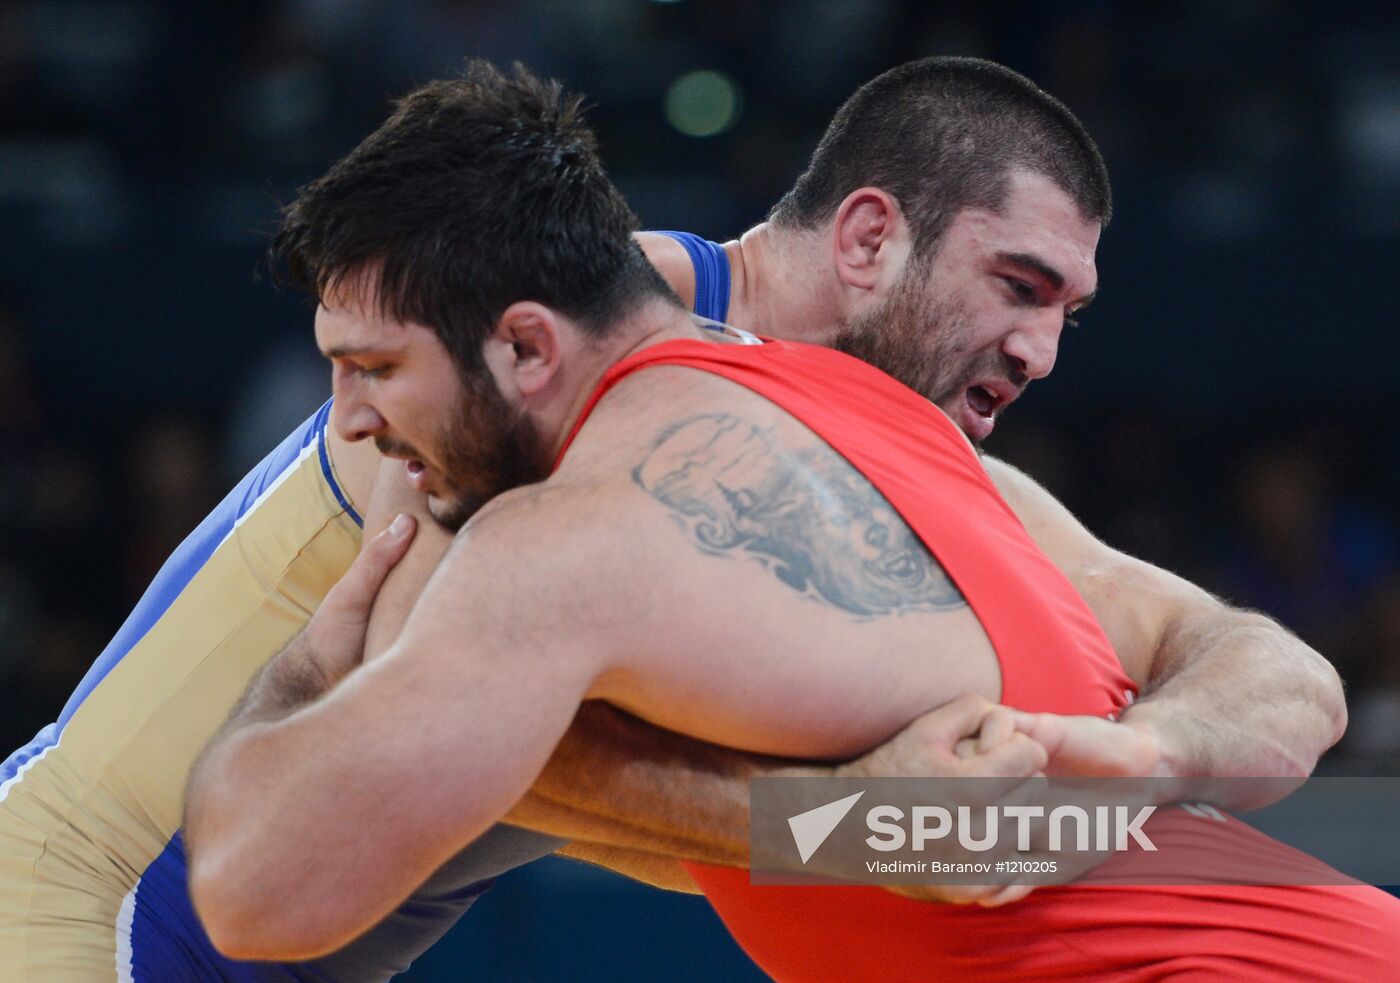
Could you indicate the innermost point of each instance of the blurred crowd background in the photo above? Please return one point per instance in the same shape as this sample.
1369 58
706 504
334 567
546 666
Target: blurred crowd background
1227 409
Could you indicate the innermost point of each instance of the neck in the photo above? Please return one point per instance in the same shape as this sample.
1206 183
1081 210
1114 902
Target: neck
779 287
557 412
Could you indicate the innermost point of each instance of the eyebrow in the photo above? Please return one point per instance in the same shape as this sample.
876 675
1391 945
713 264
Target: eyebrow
353 351
1054 277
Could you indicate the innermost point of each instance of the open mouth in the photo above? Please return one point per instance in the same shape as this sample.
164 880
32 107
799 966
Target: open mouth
981 404
418 475
984 402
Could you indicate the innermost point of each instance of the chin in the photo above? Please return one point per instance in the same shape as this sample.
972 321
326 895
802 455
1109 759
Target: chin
450 513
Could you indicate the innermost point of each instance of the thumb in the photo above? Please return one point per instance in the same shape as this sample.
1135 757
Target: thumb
358 588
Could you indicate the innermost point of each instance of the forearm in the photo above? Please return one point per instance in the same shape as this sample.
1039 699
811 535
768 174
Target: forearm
1226 692
291 680
617 781
1234 694
648 868
391 497
228 784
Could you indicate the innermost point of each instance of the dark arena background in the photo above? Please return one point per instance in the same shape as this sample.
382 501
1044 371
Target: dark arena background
1227 408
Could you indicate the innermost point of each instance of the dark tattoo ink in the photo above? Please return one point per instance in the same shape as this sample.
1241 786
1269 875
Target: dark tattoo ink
807 515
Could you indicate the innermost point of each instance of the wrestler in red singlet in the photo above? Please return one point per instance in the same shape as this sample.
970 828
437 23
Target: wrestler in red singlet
1055 658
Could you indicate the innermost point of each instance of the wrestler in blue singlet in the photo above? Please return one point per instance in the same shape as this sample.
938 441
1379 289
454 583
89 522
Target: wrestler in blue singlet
92 866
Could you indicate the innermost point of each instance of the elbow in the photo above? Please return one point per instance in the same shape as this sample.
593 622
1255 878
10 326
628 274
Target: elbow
1316 693
1322 689
1324 695
1333 701
249 917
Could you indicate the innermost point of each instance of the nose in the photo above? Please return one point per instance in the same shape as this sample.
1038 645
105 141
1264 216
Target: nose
1035 342
354 418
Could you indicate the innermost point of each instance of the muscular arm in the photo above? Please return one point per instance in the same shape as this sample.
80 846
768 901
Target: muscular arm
1225 692
633 796
634 793
291 683
309 826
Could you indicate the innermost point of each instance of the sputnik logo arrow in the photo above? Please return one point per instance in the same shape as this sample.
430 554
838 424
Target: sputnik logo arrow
811 828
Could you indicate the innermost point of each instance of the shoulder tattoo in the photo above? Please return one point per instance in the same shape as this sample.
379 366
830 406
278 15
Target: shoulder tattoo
807 515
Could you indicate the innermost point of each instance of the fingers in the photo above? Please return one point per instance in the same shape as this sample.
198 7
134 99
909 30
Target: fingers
1091 746
1044 727
953 720
358 588
1018 757
998 727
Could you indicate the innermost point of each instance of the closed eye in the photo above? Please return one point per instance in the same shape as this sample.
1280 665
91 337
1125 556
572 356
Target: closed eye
1024 291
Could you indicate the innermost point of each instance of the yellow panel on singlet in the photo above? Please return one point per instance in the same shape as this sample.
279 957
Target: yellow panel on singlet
87 807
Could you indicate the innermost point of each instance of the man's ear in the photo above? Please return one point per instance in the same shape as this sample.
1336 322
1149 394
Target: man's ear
523 351
870 238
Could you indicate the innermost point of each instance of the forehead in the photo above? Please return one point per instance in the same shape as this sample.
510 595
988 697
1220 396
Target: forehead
1037 219
349 319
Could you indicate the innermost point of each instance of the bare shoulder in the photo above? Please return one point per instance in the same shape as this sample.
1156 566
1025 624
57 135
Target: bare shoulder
576 538
671 261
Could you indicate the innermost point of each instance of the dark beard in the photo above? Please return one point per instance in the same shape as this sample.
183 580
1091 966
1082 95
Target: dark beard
922 342
488 447
916 340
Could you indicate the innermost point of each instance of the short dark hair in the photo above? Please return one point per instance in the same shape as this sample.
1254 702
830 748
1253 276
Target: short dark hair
476 193
941 135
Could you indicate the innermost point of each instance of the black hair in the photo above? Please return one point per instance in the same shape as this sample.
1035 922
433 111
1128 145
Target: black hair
943 134
476 193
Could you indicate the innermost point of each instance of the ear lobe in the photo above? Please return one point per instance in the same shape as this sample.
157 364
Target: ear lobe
866 222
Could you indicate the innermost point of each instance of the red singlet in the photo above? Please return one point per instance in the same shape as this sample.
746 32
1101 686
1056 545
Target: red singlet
1054 657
